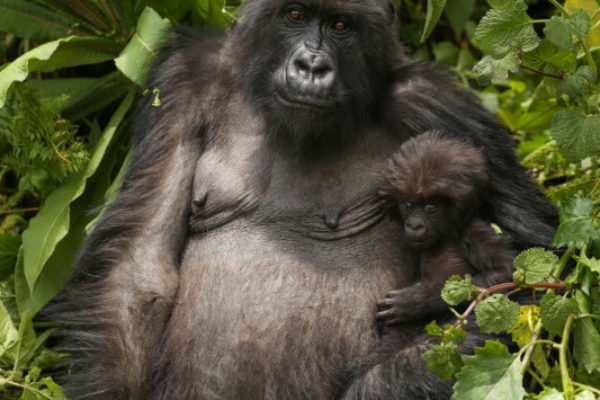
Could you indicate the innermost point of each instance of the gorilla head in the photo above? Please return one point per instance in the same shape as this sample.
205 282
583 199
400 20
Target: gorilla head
317 67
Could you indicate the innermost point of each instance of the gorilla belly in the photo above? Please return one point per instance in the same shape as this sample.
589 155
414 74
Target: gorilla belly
255 319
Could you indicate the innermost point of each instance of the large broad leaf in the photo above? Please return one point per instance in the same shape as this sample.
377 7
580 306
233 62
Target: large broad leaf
434 12
9 251
8 334
60 53
140 53
52 223
491 374
26 19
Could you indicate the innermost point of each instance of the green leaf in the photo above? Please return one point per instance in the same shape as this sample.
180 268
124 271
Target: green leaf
9 251
51 224
592 263
140 53
505 29
60 53
489 68
28 20
457 13
48 359
586 395
491 374
434 12
22 350
8 333
576 223
550 394
568 33
586 347
443 360
554 311
456 290
548 53
496 314
580 82
537 264
576 134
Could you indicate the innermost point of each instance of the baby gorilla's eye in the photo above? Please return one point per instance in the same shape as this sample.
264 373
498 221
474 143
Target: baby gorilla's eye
430 208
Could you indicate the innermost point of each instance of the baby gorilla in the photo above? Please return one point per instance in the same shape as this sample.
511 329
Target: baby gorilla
440 185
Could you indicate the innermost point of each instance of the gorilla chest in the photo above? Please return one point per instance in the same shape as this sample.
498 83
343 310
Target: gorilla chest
325 198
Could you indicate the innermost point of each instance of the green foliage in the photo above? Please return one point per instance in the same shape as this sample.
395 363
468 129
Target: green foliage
536 264
66 97
66 102
492 373
456 290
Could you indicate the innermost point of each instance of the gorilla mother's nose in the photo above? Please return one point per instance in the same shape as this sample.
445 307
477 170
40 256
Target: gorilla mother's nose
311 71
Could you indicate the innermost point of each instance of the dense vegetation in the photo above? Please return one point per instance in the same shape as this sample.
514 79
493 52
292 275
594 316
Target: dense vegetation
69 75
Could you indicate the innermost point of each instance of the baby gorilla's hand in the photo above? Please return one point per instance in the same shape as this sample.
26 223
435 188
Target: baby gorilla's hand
402 305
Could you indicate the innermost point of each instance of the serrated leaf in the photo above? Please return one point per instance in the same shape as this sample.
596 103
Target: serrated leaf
591 262
434 329
496 314
586 345
554 311
61 53
580 82
568 33
537 264
22 350
28 20
456 290
434 12
140 53
548 53
576 223
51 224
520 331
443 360
506 28
591 6
491 374
489 68
576 134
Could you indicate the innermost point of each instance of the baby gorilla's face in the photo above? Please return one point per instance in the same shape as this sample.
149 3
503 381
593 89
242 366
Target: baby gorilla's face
424 221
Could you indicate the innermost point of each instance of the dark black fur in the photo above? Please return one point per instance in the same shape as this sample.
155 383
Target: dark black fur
246 251
439 185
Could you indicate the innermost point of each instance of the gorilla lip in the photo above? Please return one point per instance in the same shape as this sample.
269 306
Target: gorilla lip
303 103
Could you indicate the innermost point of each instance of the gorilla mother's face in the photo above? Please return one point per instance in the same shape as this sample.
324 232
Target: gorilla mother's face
321 63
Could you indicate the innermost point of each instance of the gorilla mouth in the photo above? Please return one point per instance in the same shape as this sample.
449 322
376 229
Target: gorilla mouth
304 102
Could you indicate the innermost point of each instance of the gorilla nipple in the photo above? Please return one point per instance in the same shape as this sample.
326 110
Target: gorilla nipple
331 217
200 197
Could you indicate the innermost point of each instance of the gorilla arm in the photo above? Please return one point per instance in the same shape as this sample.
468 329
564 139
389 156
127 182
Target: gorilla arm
127 275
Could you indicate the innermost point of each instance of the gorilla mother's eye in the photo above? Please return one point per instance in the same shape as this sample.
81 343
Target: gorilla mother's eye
340 26
296 14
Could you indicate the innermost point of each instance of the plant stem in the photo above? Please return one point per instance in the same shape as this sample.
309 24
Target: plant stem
562 357
590 59
559 6
538 72
563 262
582 386
536 377
539 21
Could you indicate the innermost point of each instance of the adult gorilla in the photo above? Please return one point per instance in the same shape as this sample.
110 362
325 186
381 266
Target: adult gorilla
247 249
